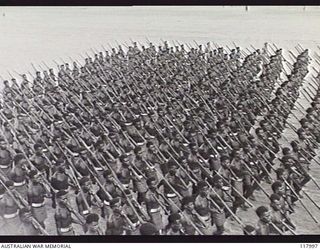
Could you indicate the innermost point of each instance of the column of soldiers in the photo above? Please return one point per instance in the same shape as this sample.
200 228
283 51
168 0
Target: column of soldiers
166 140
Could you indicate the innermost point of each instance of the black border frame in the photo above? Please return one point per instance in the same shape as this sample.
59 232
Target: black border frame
162 239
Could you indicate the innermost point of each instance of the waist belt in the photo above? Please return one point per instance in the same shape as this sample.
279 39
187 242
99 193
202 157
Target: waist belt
154 210
172 195
10 216
19 184
98 169
85 212
36 205
140 143
3 166
239 179
65 229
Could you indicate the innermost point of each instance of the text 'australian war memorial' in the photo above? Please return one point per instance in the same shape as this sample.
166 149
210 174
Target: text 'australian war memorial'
172 138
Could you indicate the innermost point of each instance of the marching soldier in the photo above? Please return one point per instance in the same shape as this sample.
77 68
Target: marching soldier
19 175
37 194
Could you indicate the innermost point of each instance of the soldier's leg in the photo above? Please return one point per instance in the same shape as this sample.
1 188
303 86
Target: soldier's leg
219 220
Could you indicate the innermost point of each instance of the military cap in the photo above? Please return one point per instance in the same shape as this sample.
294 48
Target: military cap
261 210
92 218
148 229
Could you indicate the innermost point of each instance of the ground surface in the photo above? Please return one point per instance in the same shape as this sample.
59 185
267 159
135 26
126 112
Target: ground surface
34 35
